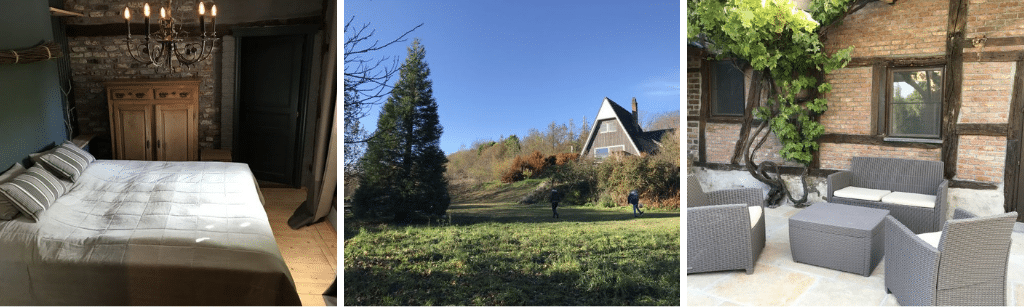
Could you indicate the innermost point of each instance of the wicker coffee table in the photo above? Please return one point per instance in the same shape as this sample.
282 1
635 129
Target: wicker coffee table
839 237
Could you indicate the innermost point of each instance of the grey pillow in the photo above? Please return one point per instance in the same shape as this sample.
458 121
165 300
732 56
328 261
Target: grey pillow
33 191
7 209
67 161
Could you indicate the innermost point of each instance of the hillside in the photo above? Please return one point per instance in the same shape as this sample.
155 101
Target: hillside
491 192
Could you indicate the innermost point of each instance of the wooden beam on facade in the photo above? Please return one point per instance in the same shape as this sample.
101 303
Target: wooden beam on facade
917 61
953 84
994 56
877 140
994 42
705 109
1012 191
974 185
981 129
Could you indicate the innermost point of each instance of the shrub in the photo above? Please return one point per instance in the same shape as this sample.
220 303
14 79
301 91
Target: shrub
514 172
534 165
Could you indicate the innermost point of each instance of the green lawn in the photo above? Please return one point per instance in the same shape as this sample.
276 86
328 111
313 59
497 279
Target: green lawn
505 254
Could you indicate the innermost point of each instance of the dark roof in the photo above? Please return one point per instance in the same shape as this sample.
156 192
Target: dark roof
648 141
626 118
645 141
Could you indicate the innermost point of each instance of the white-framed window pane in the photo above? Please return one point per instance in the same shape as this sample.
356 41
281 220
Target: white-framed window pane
601 152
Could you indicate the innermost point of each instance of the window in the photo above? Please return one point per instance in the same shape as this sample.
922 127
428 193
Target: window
608 126
727 98
914 103
604 152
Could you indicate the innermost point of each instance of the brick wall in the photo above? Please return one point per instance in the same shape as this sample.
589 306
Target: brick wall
904 28
721 144
981 158
987 88
693 62
838 156
849 103
720 141
993 19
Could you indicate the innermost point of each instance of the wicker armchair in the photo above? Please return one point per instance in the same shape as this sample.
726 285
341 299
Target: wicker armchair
967 267
897 175
720 234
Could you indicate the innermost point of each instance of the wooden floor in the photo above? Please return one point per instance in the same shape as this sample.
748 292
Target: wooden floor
310 252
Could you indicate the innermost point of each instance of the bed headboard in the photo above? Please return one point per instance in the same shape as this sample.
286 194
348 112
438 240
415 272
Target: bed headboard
30 94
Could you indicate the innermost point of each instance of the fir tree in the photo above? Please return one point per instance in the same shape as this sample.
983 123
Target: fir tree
403 166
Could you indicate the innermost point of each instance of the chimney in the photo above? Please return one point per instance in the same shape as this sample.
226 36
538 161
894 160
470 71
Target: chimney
636 120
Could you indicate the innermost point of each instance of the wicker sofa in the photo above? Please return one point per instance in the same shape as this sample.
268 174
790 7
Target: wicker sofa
913 191
965 264
725 229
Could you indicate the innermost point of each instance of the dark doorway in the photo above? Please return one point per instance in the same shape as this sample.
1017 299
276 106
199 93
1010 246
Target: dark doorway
272 82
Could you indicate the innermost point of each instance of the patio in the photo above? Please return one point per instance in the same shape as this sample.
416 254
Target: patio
777 280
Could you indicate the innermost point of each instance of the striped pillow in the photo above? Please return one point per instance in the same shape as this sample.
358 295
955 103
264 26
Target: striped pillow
7 208
32 191
67 161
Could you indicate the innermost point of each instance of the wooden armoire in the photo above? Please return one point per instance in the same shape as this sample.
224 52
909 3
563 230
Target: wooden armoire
154 119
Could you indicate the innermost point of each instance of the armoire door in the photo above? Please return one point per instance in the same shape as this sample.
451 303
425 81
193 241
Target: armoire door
174 123
134 122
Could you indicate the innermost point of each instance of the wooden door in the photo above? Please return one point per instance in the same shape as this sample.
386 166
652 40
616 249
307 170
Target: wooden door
174 130
133 123
272 86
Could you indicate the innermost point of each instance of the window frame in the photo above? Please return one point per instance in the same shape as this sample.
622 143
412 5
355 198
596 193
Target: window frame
609 149
713 89
886 105
611 126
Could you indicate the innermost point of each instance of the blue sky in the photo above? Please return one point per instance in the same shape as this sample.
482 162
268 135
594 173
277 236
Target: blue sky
502 67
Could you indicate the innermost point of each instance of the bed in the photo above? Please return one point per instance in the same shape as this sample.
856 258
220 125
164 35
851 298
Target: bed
147 233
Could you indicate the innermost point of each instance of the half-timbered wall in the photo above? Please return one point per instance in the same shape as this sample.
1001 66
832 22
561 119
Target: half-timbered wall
979 44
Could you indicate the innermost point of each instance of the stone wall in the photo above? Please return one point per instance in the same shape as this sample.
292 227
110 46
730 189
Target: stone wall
95 60
100 57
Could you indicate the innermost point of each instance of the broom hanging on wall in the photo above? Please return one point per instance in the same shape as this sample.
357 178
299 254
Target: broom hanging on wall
41 52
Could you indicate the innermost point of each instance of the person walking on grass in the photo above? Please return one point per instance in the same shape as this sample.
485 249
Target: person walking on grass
555 198
634 200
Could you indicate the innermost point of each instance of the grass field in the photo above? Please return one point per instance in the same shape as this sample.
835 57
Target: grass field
505 254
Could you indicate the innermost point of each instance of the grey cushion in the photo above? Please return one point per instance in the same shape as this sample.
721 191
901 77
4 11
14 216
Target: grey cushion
7 209
32 192
67 161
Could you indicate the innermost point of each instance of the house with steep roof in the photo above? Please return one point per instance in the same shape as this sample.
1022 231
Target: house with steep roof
617 131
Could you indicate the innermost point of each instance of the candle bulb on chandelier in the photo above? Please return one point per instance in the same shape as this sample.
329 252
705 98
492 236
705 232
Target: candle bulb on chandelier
127 21
213 18
145 11
202 17
163 14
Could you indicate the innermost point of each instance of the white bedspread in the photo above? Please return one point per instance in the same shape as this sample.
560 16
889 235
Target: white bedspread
139 232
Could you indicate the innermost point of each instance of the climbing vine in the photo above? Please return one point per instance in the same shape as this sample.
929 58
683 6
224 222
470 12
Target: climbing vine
783 45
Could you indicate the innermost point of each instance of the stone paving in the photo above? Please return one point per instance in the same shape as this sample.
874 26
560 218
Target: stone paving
777 280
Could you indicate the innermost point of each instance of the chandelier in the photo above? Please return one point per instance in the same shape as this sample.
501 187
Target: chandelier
158 48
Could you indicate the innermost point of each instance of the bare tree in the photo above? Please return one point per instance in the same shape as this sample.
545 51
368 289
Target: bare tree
366 82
